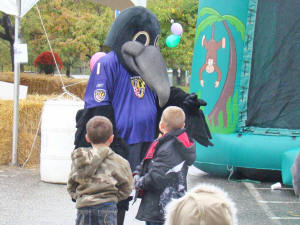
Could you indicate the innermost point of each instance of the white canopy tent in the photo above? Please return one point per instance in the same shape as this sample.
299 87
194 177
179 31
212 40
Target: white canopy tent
117 4
140 2
18 9
121 4
12 7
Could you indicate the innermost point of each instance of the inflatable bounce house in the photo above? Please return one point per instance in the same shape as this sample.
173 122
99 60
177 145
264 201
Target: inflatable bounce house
246 65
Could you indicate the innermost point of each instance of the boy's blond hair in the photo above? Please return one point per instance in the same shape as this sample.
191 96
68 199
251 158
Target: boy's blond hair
99 129
204 204
173 118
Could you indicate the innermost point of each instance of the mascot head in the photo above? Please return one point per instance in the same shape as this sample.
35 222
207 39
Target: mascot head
134 37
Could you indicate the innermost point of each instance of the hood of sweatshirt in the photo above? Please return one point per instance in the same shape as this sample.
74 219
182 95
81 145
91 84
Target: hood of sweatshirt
185 145
87 160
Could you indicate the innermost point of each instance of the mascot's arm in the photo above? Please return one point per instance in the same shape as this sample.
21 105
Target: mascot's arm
83 116
195 124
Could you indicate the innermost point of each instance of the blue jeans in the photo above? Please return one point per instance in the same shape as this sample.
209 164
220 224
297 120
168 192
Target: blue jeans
150 223
102 214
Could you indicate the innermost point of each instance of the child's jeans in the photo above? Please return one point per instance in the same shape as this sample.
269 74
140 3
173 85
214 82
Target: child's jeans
105 213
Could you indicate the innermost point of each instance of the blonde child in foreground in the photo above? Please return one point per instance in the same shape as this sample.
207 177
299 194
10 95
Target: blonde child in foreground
205 204
99 177
162 174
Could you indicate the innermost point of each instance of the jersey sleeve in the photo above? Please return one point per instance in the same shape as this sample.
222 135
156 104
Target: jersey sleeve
99 90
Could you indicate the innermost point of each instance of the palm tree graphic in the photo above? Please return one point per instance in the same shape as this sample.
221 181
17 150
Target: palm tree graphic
213 17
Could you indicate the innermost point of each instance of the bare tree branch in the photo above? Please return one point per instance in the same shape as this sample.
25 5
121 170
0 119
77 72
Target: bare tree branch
98 9
8 35
8 27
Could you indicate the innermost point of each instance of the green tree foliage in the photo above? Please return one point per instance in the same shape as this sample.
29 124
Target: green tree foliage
5 61
185 13
74 29
79 27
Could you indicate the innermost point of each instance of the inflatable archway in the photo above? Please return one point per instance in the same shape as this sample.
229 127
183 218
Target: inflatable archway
246 65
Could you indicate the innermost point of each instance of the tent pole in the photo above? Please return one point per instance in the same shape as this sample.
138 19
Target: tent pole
14 158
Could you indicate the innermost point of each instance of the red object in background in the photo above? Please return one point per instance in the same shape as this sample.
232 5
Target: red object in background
45 60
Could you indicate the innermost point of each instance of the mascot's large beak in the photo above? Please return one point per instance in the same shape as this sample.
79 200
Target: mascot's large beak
148 62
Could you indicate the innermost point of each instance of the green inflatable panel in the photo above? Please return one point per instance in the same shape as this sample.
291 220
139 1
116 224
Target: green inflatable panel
288 160
252 118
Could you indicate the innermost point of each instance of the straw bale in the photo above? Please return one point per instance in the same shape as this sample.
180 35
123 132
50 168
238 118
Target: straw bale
30 110
47 84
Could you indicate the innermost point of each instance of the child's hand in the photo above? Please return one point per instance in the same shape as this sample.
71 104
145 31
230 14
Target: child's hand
140 183
135 180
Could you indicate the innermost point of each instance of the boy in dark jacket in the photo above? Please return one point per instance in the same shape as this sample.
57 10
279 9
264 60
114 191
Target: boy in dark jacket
162 174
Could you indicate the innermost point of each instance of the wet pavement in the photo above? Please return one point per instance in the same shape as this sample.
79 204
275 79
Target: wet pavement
26 200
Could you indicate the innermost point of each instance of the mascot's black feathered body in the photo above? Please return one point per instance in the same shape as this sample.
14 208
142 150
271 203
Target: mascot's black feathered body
130 86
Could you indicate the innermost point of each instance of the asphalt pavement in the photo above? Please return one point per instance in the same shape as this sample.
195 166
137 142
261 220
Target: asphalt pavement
26 200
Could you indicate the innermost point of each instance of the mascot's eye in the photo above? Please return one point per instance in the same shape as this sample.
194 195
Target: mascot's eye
156 40
142 37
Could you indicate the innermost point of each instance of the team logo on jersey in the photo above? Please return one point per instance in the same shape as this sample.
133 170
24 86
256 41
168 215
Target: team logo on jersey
99 95
139 86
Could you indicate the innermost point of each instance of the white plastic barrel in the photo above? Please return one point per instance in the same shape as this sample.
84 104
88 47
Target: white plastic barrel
57 139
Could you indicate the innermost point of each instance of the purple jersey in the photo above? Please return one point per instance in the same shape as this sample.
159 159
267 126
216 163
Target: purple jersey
134 103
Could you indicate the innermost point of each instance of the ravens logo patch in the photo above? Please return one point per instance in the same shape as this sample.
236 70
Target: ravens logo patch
99 95
139 86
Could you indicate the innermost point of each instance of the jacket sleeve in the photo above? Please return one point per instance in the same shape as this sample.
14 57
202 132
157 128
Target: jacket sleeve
84 164
118 146
157 177
138 169
80 162
125 181
71 184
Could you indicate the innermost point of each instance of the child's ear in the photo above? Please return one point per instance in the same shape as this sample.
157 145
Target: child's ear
87 139
111 139
162 127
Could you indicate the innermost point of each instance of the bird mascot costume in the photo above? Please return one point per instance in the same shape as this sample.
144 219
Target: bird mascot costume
130 86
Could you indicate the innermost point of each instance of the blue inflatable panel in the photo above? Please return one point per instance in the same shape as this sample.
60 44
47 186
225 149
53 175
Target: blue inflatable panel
223 66
288 160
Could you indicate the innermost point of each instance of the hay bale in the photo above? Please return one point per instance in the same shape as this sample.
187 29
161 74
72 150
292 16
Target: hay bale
30 110
42 84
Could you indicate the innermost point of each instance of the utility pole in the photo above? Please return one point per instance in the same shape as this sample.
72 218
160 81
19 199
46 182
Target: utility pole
14 160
